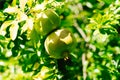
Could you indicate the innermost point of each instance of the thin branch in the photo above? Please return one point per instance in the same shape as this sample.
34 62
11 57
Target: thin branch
83 55
80 30
84 66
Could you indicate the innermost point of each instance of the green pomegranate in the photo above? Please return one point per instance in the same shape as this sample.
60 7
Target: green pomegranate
47 21
59 43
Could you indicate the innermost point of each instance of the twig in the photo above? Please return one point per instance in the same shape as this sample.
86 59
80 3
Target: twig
84 66
80 30
83 55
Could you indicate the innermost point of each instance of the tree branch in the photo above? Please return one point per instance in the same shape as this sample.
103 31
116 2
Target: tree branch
84 66
80 31
83 55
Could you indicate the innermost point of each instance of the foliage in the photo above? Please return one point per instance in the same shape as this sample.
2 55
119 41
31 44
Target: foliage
94 23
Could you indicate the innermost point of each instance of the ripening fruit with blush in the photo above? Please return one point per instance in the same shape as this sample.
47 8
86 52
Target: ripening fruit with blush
59 43
47 21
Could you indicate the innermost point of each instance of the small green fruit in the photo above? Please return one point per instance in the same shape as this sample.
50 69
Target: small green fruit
48 20
59 43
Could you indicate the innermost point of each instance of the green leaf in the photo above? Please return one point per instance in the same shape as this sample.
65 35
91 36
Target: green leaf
108 1
13 30
21 16
34 37
4 26
68 21
22 4
29 3
2 16
14 2
28 25
108 31
11 10
2 37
